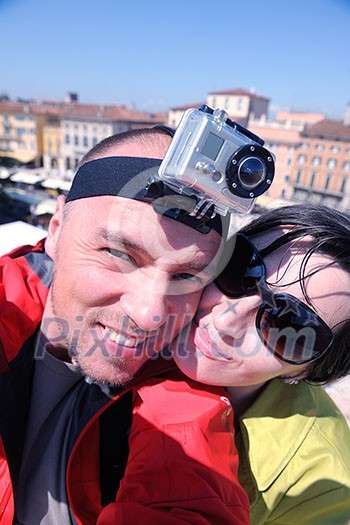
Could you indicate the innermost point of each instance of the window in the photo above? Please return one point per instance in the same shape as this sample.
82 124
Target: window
85 142
67 163
19 117
305 145
214 103
316 161
94 141
287 177
298 177
343 184
291 148
335 149
227 103
346 166
302 159
313 179
319 147
289 161
76 140
332 163
66 139
328 182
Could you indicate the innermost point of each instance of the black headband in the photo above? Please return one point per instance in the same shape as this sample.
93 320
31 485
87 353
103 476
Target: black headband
129 177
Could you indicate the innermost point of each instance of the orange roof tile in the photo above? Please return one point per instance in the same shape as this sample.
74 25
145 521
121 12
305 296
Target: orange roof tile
77 110
328 129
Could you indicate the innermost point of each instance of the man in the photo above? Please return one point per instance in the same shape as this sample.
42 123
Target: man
122 272
126 280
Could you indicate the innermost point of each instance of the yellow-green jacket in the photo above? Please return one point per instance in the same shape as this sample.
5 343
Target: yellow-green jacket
294 450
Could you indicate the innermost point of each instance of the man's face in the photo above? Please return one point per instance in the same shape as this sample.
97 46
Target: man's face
126 281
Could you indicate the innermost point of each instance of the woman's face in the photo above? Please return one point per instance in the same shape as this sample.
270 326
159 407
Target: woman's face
222 346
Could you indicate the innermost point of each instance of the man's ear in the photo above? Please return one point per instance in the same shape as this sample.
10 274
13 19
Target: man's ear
55 227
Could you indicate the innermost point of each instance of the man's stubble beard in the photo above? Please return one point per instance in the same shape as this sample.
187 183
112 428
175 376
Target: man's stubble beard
73 350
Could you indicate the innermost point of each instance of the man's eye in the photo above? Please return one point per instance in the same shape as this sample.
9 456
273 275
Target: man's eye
118 254
187 277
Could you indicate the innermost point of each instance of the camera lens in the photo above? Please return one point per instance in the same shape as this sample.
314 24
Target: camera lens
251 172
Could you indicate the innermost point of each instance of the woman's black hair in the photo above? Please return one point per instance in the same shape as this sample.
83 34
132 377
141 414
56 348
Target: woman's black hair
329 230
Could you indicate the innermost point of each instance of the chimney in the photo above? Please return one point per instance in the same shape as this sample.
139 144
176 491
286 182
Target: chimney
71 97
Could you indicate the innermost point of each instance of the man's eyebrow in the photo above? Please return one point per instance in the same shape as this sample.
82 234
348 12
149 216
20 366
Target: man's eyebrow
117 238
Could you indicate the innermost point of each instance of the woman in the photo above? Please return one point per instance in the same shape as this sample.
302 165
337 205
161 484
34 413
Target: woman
273 327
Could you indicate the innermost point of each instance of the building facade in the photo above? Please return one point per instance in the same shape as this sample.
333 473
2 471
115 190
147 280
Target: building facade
322 167
21 130
84 125
282 137
240 104
52 149
57 134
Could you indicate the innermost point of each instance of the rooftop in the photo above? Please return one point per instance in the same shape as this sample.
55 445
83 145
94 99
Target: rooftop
328 129
77 110
239 92
112 112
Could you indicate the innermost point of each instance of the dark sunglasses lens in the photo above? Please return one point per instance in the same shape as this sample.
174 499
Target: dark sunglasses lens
293 331
244 270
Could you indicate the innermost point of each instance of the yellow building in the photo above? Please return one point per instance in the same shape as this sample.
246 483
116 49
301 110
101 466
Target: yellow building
21 130
52 148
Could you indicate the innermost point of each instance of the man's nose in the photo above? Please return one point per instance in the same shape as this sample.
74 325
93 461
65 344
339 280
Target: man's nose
147 301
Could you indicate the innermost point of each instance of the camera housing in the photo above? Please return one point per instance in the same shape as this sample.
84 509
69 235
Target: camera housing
217 160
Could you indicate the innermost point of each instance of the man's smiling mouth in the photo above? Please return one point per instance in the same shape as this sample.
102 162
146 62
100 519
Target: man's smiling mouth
119 339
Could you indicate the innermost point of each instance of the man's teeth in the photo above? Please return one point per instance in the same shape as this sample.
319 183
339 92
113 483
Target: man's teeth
118 338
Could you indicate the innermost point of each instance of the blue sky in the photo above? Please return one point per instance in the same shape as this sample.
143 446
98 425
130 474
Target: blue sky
158 54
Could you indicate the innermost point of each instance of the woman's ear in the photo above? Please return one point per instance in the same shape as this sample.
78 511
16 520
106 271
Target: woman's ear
55 227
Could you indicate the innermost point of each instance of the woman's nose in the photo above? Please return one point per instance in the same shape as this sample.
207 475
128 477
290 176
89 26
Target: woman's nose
228 315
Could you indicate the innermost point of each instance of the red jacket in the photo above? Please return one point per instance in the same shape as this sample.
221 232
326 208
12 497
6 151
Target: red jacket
182 465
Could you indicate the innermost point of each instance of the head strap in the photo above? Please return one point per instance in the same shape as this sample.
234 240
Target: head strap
136 178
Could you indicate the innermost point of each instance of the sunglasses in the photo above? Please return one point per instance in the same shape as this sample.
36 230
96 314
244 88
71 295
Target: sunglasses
291 330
